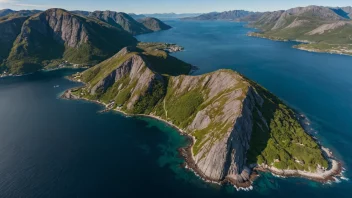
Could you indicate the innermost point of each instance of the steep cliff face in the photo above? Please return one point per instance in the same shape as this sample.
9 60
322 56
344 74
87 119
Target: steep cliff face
58 34
221 110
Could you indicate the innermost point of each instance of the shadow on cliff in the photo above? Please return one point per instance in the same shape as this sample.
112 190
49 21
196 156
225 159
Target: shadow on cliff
261 130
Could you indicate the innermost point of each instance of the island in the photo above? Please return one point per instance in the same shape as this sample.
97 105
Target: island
236 127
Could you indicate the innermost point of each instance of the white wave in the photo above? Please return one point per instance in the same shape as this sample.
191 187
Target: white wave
278 176
337 180
344 178
244 189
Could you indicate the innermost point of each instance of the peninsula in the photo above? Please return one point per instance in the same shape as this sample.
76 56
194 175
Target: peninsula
319 29
236 126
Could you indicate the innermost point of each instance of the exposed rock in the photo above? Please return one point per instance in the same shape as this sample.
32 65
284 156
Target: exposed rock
327 27
297 23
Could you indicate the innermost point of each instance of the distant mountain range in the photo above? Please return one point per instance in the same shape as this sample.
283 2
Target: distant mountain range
8 12
172 15
31 40
233 15
155 15
120 19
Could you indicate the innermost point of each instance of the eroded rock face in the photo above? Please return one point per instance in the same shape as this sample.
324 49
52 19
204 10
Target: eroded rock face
226 157
63 26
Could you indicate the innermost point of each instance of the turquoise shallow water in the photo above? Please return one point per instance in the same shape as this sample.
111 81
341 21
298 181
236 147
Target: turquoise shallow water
57 148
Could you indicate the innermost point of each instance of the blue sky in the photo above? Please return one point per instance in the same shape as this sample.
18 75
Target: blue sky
158 6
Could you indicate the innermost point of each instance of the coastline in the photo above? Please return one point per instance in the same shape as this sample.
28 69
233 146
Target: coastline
42 70
190 164
298 47
185 152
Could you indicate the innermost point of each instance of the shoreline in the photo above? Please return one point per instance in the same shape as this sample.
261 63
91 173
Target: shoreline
302 48
43 70
190 164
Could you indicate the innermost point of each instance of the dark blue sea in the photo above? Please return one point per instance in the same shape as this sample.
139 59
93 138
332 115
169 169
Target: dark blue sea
58 148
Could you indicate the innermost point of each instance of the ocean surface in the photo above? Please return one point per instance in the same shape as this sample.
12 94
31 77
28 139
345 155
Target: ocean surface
58 148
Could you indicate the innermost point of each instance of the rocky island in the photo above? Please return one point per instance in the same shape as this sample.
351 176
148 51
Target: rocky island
236 126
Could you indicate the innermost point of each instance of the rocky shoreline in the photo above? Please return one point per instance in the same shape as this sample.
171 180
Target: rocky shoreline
190 164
